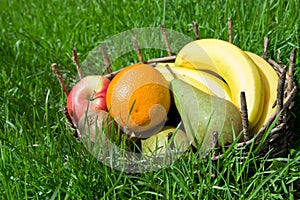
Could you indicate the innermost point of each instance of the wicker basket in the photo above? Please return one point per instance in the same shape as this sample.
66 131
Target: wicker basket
279 139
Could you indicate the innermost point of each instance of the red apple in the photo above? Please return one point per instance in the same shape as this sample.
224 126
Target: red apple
88 94
93 124
95 128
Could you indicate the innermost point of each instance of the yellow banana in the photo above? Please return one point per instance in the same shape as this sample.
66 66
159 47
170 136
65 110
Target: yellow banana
270 80
233 65
202 80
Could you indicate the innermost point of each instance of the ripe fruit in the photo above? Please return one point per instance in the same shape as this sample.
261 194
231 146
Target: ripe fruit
95 129
93 123
202 114
88 94
167 141
270 81
233 65
138 98
202 80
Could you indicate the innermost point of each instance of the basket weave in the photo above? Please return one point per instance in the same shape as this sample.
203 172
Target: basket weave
281 135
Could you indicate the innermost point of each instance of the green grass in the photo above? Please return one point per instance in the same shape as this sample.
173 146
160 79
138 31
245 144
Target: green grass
39 157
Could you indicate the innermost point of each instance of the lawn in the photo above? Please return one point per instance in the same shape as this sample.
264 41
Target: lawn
39 156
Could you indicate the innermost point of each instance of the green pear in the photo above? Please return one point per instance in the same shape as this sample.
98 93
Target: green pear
168 140
202 114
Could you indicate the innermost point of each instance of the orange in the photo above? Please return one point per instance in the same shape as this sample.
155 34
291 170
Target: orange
138 98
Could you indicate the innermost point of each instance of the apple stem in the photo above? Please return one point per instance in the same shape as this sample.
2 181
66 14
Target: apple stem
164 33
105 59
75 60
196 31
96 97
229 30
60 79
137 49
245 122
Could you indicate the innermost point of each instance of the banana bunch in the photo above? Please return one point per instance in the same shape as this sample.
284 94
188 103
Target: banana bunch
270 82
201 63
202 80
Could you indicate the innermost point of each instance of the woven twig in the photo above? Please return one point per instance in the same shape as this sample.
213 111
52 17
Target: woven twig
245 121
137 49
105 59
196 31
265 53
164 33
215 153
60 79
230 30
75 60
290 78
278 56
163 59
277 67
280 94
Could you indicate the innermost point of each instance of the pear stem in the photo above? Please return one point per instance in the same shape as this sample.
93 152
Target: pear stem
229 30
137 49
171 71
164 33
60 79
75 60
245 121
105 59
